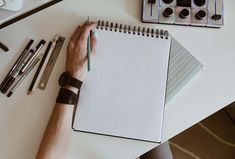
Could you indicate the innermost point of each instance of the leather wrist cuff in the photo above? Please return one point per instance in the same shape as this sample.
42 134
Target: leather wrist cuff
67 80
66 96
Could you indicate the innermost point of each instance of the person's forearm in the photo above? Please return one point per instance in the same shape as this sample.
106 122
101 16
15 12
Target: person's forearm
57 135
56 139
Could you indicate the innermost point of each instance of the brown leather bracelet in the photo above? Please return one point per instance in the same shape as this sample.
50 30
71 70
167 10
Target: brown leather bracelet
66 96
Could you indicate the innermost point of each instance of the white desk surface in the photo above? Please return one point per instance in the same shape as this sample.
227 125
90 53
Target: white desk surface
28 5
23 118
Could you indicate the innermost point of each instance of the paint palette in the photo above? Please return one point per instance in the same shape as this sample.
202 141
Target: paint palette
205 13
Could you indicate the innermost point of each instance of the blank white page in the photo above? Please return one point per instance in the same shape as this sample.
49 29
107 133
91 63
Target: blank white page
123 95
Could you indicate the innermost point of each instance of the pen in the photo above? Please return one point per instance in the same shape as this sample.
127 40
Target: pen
4 47
17 63
89 49
24 75
38 48
26 58
15 73
34 81
56 38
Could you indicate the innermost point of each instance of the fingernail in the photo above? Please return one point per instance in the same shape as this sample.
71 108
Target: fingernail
95 34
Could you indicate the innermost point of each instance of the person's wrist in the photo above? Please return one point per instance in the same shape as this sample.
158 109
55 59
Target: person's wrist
70 81
71 88
79 75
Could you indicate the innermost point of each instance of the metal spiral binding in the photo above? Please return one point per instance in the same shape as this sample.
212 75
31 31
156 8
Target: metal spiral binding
148 32
124 28
157 33
116 27
129 29
106 25
102 25
138 31
111 27
143 31
120 28
154 33
134 30
161 34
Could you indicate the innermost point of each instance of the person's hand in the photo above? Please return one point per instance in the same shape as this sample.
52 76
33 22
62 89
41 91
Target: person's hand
76 61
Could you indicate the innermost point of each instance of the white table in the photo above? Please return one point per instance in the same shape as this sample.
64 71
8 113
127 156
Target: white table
23 118
28 5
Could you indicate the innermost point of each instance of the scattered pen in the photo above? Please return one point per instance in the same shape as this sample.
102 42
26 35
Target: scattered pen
24 75
17 63
34 81
38 49
4 47
89 49
14 75
26 58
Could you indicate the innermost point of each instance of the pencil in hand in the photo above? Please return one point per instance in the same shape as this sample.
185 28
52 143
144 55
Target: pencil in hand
89 49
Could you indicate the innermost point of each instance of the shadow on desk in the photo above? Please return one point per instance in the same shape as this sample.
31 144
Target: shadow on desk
212 138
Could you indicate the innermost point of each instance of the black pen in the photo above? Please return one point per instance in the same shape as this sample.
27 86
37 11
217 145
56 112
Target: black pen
4 47
14 75
17 63
34 81
38 48
24 75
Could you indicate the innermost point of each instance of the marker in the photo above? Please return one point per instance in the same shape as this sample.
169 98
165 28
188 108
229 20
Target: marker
38 49
14 75
24 75
17 63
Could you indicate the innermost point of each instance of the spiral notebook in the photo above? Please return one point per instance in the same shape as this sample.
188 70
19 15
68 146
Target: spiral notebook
124 94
